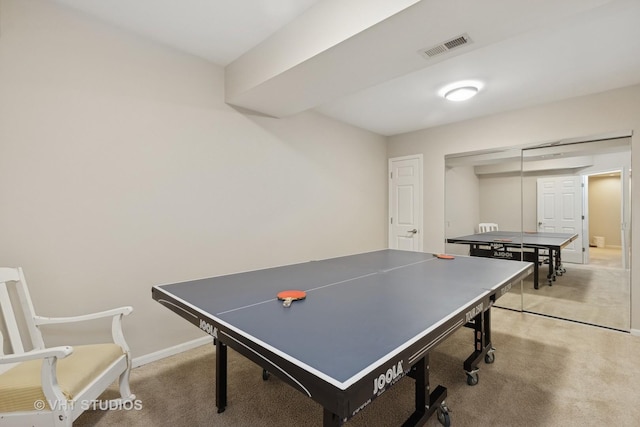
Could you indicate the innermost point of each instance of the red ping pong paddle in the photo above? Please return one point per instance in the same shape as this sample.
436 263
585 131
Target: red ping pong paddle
291 295
444 256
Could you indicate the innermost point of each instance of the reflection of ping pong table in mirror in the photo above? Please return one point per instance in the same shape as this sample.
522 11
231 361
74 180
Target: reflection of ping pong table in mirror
521 246
500 185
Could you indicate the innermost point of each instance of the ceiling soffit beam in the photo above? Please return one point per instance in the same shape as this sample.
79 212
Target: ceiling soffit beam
340 47
264 78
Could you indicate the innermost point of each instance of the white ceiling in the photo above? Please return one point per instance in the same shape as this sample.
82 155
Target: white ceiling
358 60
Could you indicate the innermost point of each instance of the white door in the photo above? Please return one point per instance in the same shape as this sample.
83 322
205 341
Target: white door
560 211
405 203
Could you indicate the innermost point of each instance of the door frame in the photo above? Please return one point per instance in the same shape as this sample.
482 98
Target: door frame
625 211
419 201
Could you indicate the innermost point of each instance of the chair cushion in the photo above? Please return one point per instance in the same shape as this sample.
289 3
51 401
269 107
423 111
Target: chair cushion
20 386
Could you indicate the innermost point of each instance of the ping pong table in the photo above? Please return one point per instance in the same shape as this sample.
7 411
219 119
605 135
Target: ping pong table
507 245
368 321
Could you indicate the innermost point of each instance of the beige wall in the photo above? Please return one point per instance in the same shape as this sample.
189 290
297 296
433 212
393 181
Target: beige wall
121 168
616 110
605 208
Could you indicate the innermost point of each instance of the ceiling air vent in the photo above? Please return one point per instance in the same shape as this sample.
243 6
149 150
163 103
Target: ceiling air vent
454 43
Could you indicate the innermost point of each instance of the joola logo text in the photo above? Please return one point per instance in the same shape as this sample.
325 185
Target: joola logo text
208 328
474 312
393 374
503 254
505 289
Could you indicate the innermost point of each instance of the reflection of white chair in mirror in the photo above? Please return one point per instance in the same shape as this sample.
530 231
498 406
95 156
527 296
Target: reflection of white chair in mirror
483 227
53 386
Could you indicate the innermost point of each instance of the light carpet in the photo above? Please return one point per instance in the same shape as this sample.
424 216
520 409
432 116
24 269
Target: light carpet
547 372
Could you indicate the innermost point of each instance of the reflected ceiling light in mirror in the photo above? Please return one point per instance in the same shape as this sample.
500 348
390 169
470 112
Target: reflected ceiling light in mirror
460 91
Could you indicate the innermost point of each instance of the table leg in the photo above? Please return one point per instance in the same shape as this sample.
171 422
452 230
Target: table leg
536 274
221 375
421 385
426 403
560 270
329 419
482 346
551 275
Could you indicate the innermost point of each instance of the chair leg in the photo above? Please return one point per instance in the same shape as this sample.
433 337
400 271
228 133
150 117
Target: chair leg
125 390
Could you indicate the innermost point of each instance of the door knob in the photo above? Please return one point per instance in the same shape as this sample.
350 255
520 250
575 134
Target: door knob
414 231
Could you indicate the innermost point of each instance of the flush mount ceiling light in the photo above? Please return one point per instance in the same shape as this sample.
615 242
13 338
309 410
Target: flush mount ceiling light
460 91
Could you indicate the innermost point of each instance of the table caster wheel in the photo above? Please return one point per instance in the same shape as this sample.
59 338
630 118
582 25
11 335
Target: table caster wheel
265 375
490 357
443 415
472 378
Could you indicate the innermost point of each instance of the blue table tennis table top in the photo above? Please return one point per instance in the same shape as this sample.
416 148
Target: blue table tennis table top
360 309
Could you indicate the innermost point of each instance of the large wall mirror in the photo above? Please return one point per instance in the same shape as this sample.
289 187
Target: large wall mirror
566 205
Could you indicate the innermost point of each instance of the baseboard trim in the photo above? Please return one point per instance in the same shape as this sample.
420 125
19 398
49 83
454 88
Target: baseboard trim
171 351
635 332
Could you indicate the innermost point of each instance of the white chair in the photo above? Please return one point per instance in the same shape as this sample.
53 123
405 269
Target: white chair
53 386
483 227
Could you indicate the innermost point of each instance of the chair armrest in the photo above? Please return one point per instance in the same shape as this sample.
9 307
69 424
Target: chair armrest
116 324
57 352
41 320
